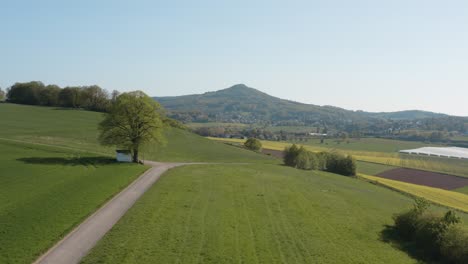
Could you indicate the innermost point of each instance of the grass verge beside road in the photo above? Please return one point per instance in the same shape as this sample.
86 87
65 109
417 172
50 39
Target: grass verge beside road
46 191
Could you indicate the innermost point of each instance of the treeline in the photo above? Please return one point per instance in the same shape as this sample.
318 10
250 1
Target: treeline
437 237
92 97
2 95
299 157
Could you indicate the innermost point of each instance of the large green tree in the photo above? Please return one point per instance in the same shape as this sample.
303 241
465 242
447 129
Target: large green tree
134 118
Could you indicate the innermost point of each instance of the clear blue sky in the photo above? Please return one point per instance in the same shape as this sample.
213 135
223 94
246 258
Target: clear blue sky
370 55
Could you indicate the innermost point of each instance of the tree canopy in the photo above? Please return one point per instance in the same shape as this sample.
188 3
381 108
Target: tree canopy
133 119
92 97
253 144
301 158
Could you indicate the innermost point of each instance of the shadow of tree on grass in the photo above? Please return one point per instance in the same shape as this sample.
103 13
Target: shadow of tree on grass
72 161
390 235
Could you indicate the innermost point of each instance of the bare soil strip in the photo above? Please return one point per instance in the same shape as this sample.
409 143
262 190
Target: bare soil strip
426 178
73 247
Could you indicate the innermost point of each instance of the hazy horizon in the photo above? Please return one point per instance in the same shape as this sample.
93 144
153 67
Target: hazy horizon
359 55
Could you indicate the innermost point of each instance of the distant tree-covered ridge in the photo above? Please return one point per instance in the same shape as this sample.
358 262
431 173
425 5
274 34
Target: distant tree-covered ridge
245 105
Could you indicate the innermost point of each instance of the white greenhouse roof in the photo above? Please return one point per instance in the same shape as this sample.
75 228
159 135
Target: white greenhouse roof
450 152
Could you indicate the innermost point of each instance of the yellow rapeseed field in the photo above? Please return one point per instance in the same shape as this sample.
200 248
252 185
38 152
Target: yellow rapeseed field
443 197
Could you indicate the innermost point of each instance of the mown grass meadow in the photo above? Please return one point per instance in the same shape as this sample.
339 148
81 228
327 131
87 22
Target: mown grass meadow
255 214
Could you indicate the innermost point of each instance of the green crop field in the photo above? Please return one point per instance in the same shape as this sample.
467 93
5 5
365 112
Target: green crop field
443 165
291 129
46 191
372 168
255 214
368 144
214 124
462 190
185 146
460 138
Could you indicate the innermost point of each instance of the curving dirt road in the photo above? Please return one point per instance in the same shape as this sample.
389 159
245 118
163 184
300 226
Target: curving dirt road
73 247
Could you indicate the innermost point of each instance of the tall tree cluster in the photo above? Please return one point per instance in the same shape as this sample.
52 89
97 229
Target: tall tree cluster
91 97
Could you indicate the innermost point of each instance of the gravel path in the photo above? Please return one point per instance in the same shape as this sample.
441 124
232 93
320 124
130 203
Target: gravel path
73 247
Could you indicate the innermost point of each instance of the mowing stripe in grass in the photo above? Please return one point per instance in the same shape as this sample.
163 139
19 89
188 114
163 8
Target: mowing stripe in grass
254 214
54 146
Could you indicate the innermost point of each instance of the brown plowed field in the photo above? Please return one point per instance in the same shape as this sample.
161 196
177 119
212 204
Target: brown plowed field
427 178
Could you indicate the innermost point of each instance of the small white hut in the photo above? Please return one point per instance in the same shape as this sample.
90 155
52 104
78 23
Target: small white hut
123 155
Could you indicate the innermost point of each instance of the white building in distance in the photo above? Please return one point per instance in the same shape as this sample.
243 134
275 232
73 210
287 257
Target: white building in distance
446 152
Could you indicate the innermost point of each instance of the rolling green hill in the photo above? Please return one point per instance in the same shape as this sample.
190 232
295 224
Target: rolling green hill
242 104
77 130
53 173
248 105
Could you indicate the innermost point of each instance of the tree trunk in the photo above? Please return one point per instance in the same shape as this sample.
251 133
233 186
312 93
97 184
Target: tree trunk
135 155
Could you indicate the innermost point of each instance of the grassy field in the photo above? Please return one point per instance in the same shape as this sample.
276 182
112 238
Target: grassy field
76 129
462 190
368 144
372 168
255 214
443 165
185 146
54 173
460 138
291 129
364 145
438 196
46 191
73 129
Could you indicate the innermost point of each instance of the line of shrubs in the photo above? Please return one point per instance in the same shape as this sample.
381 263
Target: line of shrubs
299 157
437 237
